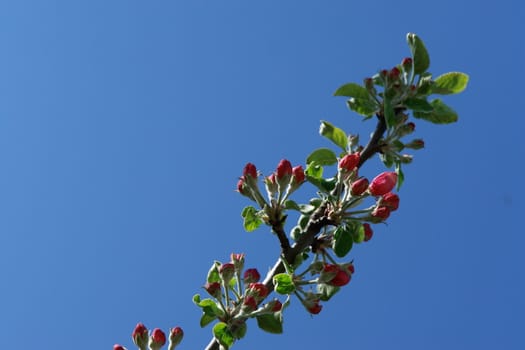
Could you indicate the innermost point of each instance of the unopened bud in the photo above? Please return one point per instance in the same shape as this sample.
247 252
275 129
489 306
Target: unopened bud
381 212
359 186
226 271
383 183
368 231
251 276
140 336
157 339
415 144
176 335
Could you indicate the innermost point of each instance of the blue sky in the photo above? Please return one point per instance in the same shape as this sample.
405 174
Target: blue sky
124 126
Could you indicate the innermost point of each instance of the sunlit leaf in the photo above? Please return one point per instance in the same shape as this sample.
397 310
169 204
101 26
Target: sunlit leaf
334 134
450 83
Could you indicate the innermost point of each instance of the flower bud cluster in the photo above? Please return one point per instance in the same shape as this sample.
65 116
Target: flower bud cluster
155 340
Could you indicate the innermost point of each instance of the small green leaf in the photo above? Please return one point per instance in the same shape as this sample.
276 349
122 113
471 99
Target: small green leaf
206 320
325 185
419 53
418 104
314 170
442 114
450 83
291 205
271 323
251 218
334 134
352 90
326 291
322 156
400 176
213 273
210 307
223 335
342 242
364 107
283 283
240 330
359 235
302 208
390 116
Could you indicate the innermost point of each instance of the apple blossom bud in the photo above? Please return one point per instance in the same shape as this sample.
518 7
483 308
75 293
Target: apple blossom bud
284 169
226 271
314 307
359 186
274 305
298 174
140 336
350 268
249 170
213 289
415 144
251 276
368 231
349 162
257 290
390 200
157 339
334 275
407 64
383 183
238 261
381 212
176 335
118 347
271 185
249 304
394 73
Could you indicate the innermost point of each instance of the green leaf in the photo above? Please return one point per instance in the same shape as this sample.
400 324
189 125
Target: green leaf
390 116
325 185
271 323
334 134
251 218
302 208
418 104
364 107
352 90
206 320
419 53
442 114
359 235
223 335
322 156
283 283
240 330
450 83
314 170
209 307
326 291
342 242
400 176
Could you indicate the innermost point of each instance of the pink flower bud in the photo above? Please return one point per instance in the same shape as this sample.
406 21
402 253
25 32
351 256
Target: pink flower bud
237 260
275 305
383 183
250 170
240 186
359 186
118 347
381 212
390 200
213 289
158 338
394 73
407 63
368 231
176 335
298 174
251 276
349 162
284 168
140 336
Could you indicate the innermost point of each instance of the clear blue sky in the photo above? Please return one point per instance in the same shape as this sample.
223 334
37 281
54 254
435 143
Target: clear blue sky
125 124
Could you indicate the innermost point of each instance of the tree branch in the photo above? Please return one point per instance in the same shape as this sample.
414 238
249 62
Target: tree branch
318 220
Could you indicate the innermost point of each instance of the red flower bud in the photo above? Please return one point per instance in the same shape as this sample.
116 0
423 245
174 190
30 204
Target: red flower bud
258 290
390 200
240 186
250 303
251 276
394 73
237 260
411 125
275 305
314 308
118 347
349 162
140 336
383 183
226 271
359 186
250 170
350 268
213 289
368 231
158 338
415 144
298 174
407 63
284 168
176 335
381 212
337 276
